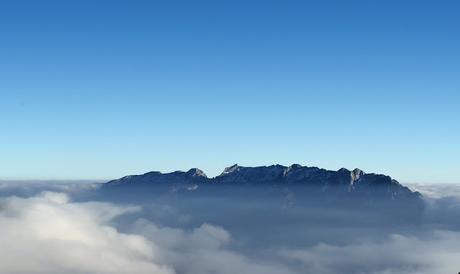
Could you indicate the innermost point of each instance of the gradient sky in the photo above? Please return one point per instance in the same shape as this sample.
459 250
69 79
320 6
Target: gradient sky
101 89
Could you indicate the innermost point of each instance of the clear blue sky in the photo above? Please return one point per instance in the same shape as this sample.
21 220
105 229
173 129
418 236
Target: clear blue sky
101 89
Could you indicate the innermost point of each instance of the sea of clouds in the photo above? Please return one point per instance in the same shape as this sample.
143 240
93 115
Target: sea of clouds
49 228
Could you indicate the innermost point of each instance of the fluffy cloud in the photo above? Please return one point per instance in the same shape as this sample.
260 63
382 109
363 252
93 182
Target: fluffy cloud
436 191
49 234
399 254
204 250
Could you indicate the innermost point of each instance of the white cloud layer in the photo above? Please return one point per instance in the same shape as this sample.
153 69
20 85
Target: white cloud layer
398 255
436 191
49 233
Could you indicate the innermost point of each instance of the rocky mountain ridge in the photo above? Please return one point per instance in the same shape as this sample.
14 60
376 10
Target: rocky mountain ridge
354 182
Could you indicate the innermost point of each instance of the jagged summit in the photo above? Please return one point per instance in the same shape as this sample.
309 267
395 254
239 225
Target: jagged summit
230 169
294 173
269 175
313 182
196 172
356 174
237 173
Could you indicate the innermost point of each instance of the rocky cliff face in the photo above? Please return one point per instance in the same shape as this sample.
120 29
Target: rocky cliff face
295 178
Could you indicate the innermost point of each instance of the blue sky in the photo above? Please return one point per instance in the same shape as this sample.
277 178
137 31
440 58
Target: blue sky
101 89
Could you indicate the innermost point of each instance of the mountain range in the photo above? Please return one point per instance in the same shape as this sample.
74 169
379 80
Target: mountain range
297 179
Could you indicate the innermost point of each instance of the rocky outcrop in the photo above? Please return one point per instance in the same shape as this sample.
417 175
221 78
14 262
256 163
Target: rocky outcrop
343 182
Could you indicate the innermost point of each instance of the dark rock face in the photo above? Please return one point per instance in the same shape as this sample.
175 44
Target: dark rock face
296 180
194 175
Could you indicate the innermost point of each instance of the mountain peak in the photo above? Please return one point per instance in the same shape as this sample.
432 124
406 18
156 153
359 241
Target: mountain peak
356 173
231 169
196 172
